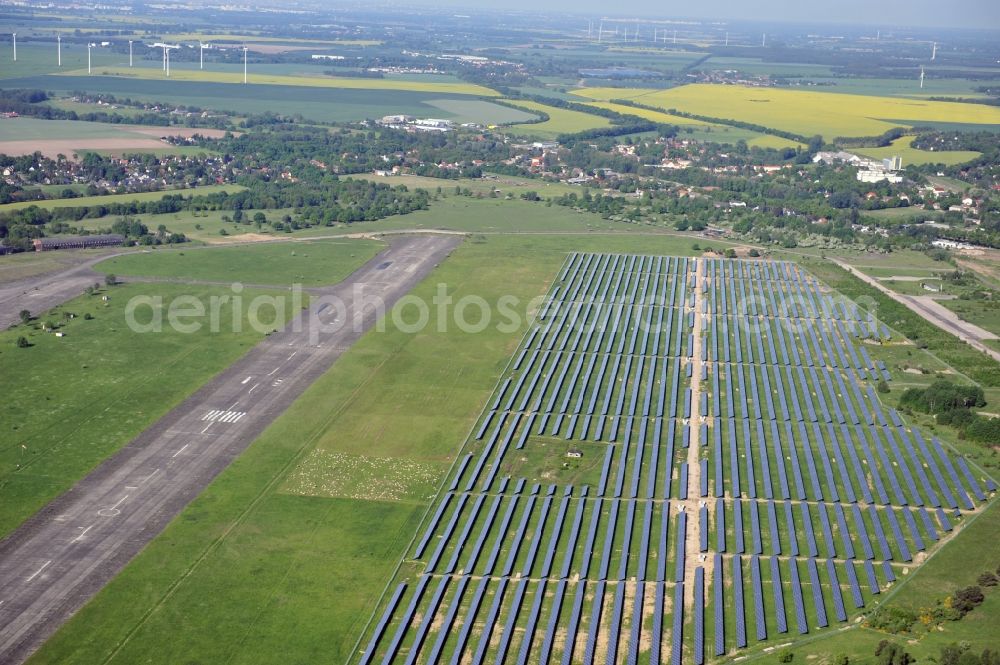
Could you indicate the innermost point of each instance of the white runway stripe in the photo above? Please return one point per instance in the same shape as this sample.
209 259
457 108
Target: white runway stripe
218 416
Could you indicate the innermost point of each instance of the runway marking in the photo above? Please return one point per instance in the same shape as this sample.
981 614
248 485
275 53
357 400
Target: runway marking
255 386
234 405
218 416
277 382
181 450
113 510
82 534
206 428
275 370
37 572
246 380
146 479
293 355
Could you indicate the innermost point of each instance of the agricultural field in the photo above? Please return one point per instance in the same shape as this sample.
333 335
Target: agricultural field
703 131
804 112
25 136
318 104
345 83
317 263
108 199
480 112
561 121
83 396
902 147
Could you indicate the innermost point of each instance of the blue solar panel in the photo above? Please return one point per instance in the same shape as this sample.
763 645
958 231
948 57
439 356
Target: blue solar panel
512 615
432 527
779 596
463 537
397 638
852 578
574 623
817 591
369 652
870 574
614 629
699 616
515 546
595 622
755 528
678 632
838 598
758 598
609 539
738 525
657 630
428 619
741 628
679 549
446 536
796 586
469 620
504 526
627 539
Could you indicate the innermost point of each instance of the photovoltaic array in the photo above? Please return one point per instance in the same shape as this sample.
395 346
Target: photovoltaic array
683 458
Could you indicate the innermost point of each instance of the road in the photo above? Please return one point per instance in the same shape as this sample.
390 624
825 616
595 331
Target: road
933 313
61 557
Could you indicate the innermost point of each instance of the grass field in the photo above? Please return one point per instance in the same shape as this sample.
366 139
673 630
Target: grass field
803 112
903 148
450 213
14 267
561 121
85 201
81 397
149 73
279 264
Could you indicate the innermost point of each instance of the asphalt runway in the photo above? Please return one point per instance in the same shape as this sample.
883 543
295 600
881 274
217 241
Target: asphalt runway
61 557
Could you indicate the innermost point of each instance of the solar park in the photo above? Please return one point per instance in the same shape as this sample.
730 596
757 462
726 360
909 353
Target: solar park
737 480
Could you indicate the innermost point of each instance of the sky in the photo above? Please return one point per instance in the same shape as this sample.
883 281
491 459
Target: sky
954 13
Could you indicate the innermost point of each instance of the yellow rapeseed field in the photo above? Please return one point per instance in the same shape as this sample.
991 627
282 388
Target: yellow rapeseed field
561 121
305 81
803 112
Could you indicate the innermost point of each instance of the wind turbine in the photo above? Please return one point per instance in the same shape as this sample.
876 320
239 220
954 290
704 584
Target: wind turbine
244 65
201 55
130 53
89 46
59 50
166 54
921 77
675 37
933 51
763 40
600 32
727 38
15 46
